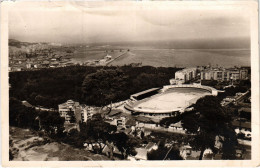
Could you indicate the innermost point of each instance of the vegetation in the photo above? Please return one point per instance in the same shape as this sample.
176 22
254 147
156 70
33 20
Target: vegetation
164 153
125 144
100 86
20 115
231 91
51 122
90 85
95 131
105 86
211 120
26 117
98 131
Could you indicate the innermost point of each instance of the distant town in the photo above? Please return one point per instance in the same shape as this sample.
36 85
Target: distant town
162 121
33 56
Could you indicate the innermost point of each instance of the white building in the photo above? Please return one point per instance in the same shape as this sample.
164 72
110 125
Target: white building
118 121
67 110
72 109
184 75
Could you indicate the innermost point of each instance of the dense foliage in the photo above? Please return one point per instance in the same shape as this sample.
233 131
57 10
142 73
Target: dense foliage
27 117
207 121
95 131
91 85
96 128
210 121
104 86
51 122
20 115
125 144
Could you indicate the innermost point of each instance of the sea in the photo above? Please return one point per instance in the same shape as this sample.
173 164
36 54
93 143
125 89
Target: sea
160 57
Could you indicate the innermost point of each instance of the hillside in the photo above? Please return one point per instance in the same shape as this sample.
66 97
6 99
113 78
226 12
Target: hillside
18 44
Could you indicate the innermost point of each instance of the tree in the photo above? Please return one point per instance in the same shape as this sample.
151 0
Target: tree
51 122
96 130
229 145
209 121
50 87
20 115
73 137
104 86
144 80
125 144
164 153
11 156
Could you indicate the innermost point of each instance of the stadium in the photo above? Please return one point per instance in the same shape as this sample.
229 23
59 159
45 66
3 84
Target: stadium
168 100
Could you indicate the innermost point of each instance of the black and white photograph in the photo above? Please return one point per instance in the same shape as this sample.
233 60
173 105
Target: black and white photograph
130 81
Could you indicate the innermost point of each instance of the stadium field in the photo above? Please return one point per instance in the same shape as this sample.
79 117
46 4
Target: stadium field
173 99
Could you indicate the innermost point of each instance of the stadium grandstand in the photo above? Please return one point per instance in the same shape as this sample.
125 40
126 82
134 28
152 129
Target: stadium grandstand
167 101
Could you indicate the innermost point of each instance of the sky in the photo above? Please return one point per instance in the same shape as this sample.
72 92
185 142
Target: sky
79 22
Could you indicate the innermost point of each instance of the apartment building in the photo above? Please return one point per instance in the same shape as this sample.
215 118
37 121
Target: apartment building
222 74
73 112
184 75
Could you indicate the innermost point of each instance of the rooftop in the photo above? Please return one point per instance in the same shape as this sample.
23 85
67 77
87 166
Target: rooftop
68 104
146 91
187 70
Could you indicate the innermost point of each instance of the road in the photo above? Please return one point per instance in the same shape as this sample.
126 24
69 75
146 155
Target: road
240 98
116 58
